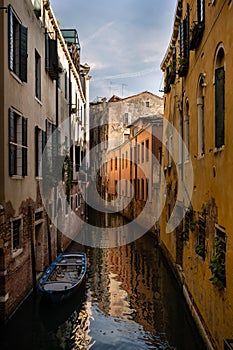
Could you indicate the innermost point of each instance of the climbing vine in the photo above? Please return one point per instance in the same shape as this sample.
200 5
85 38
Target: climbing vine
218 265
68 178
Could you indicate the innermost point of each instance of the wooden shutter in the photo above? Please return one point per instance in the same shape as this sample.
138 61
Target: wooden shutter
10 38
24 149
36 150
24 131
12 138
219 106
12 126
23 53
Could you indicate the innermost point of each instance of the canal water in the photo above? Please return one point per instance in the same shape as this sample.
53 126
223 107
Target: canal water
129 301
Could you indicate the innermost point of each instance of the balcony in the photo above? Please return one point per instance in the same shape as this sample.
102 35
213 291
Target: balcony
72 41
183 66
196 34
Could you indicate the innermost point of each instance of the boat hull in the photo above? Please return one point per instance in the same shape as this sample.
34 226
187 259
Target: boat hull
63 277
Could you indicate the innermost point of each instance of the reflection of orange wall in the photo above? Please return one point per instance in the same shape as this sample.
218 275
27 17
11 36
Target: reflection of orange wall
136 278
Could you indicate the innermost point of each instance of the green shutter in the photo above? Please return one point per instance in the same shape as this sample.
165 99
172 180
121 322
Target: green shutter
10 38
219 107
23 53
12 148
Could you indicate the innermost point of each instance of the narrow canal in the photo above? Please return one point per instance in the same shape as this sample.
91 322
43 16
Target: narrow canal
130 301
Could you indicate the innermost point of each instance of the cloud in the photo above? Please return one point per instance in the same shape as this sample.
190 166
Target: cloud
127 75
96 34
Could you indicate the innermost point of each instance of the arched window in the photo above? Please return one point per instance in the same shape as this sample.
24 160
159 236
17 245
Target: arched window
186 130
201 119
219 81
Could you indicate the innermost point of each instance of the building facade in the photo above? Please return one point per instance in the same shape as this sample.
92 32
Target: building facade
42 86
109 120
198 101
134 171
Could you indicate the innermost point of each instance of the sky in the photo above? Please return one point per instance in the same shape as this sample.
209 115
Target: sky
123 41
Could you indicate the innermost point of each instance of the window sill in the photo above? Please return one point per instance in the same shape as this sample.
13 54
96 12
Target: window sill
39 178
17 252
38 101
200 156
219 149
15 76
17 177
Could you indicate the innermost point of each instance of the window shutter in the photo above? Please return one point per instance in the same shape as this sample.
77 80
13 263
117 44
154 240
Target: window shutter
46 50
24 161
24 131
10 38
12 126
53 59
36 151
219 106
24 143
23 53
12 159
43 140
12 138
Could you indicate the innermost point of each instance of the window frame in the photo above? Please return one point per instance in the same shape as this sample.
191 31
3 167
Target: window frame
17 46
37 75
18 147
17 250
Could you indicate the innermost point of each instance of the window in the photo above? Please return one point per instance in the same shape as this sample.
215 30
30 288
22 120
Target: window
17 144
201 120
147 150
66 86
170 151
51 56
126 159
147 103
219 78
37 75
17 46
184 45
40 142
111 163
138 154
186 131
115 163
16 234
123 161
218 262
143 190
201 238
200 11
126 119
142 152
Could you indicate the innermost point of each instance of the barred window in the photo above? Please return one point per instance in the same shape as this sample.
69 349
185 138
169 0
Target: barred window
16 234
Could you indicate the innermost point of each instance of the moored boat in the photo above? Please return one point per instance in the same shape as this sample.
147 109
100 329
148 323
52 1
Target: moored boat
64 276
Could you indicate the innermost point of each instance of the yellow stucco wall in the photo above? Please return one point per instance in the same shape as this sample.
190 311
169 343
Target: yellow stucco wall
212 187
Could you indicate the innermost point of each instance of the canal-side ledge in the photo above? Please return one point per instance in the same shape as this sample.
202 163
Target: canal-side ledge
180 277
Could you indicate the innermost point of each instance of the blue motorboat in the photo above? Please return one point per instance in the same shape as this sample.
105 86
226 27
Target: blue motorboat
64 276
